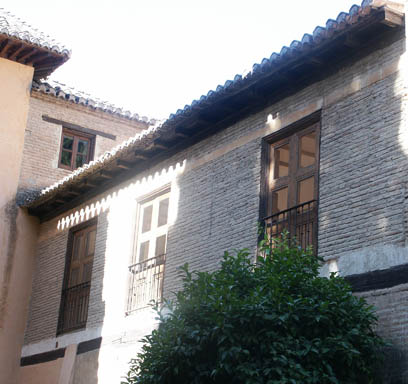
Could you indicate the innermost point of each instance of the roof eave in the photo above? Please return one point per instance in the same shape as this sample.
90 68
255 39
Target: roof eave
44 60
262 87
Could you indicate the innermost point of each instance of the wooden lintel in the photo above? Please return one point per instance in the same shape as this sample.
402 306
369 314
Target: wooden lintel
76 127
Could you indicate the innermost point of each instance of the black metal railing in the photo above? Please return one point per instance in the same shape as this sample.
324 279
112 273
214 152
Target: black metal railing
74 307
146 283
300 223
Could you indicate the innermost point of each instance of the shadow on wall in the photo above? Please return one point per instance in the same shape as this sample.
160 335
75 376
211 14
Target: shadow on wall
362 201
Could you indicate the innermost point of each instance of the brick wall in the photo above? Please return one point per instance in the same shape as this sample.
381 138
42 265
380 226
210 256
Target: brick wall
47 287
392 312
43 139
216 193
363 170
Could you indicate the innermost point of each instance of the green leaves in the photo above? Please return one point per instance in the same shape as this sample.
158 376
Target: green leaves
273 321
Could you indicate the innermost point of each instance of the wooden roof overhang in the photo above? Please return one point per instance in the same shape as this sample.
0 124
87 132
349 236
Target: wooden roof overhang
44 60
302 67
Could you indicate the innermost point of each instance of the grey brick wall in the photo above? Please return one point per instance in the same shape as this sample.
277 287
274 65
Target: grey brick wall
218 211
392 312
361 186
47 286
363 170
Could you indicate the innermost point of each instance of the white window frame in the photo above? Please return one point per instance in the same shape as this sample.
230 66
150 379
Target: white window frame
155 231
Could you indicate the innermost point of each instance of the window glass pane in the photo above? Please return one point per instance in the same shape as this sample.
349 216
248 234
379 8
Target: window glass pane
147 218
66 158
281 167
163 212
306 190
307 150
160 245
80 161
83 146
67 142
144 251
280 200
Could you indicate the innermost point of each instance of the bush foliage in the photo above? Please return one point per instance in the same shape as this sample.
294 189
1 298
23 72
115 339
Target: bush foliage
274 321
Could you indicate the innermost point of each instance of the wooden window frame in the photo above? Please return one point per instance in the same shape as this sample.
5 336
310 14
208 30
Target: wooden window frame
77 136
277 139
67 268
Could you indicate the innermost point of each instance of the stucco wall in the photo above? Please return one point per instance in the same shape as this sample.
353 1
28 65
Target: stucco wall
215 197
43 373
17 230
43 139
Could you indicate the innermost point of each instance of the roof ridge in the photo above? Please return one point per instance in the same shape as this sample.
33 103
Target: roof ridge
69 93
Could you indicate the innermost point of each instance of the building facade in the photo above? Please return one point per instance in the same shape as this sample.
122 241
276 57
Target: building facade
313 140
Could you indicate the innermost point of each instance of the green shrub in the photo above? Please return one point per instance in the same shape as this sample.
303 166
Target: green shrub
274 321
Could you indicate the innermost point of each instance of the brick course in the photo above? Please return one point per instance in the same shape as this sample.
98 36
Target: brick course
42 139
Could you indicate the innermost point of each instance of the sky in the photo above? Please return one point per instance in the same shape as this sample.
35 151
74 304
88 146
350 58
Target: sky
152 57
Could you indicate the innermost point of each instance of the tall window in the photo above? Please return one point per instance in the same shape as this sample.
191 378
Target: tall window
150 249
292 185
76 149
77 281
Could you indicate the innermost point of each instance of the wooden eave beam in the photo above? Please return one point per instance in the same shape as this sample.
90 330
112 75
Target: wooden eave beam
16 50
179 135
393 18
124 164
140 156
27 52
160 144
36 57
73 192
105 174
3 45
5 50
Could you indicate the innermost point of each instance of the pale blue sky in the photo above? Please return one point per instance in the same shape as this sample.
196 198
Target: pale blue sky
155 56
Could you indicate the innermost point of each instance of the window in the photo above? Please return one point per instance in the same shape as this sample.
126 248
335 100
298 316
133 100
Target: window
291 183
77 280
146 280
76 149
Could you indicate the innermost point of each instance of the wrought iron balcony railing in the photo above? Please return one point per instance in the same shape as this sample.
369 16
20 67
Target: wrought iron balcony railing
300 222
74 307
146 283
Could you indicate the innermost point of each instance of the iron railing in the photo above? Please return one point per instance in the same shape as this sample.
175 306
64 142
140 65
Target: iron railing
74 307
146 283
300 223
